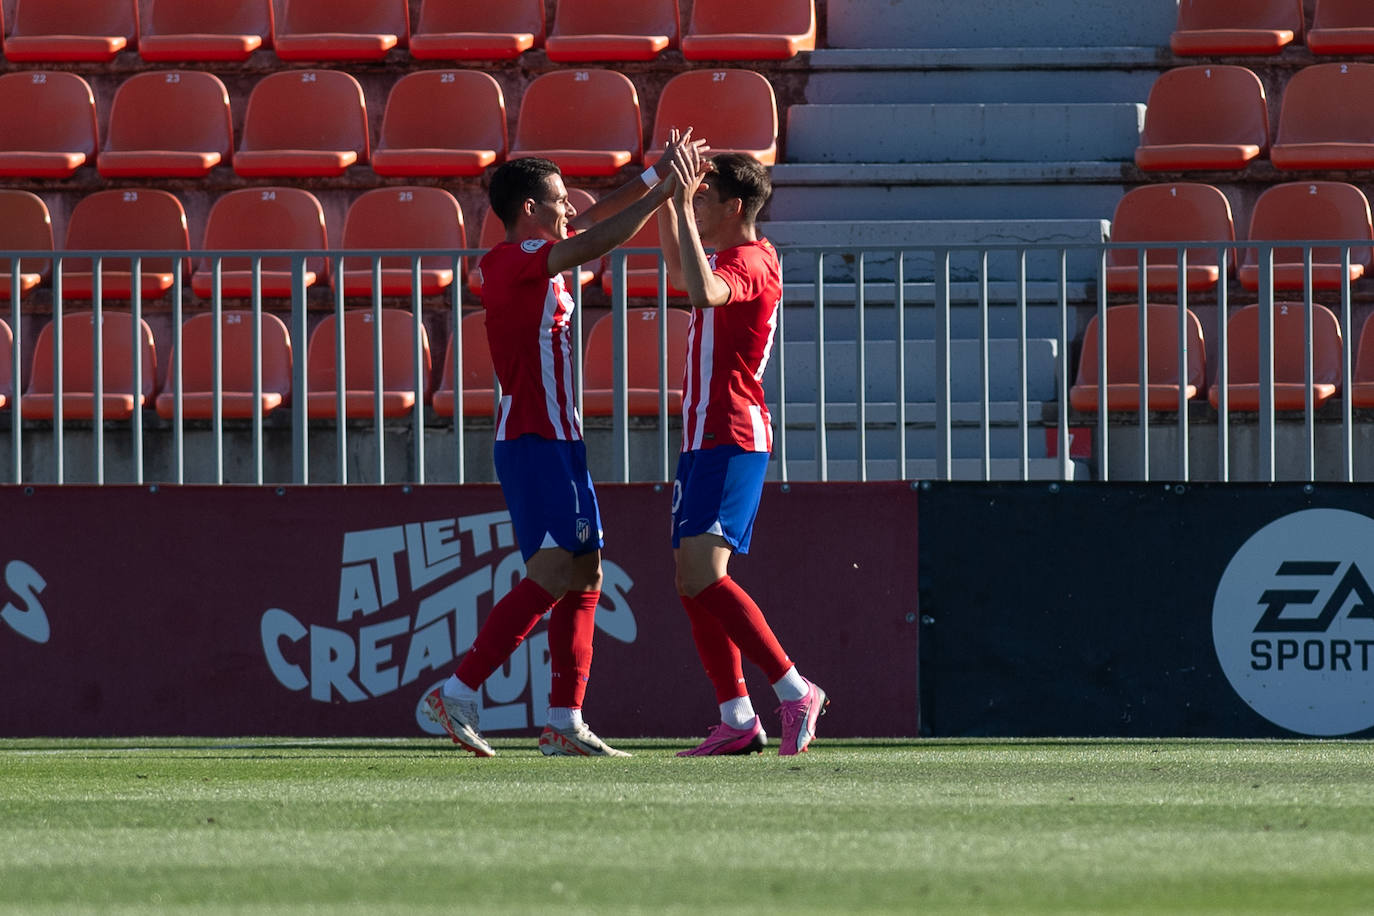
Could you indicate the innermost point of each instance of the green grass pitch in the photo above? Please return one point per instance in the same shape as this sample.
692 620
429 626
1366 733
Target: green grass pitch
939 826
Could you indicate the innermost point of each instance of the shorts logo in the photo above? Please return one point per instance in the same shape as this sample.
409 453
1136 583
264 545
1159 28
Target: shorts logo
1293 622
584 530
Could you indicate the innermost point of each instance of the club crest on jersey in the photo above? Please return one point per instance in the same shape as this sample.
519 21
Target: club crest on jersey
584 530
532 245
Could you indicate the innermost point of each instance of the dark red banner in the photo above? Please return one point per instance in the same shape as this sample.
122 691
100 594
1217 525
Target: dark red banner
330 611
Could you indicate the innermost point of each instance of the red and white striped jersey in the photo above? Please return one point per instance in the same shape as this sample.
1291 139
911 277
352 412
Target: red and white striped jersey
529 331
727 350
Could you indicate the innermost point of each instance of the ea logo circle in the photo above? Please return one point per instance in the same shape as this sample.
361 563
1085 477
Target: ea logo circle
1293 622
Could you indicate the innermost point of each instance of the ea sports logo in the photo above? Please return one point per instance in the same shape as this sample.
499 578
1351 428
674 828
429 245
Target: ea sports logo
1293 622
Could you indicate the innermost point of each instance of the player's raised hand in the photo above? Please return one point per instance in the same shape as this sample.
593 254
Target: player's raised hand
690 165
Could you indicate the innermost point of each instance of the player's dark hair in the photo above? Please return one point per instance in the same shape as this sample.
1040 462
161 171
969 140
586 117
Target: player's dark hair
516 181
741 175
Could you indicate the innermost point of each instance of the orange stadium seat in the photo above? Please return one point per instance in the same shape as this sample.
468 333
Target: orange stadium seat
1362 379
402 217
492 233
25 225
72 30
641 270
1236 26
585 30
587 121
1123 360
1290 381
303 123
173 124
750 29
50 126
236 367
127 220
1308 211
6 364
399 388
342 29
1318 127
477 29
733 110
1170 213
1342 27
78 368
642 371
442 123
1212 116
262 219
207 30
479 391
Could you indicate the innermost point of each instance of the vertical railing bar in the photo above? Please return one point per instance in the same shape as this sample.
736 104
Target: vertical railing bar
59 436
217 379
1023 363
780 355
256 318
822 447
378 369
456 351
1222 381
1142 364
1182 355
663 369
300 386
984 368
899 303
1104 461
340 375
1347 344
620 406
16 372
1266 364
136 315
1062 386
944 463
417 416
98 367
861 367
1309 419
178 364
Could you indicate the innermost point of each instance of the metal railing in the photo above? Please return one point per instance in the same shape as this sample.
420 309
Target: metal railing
1020 381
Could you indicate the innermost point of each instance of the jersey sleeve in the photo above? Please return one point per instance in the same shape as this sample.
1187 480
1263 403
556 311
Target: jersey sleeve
742 273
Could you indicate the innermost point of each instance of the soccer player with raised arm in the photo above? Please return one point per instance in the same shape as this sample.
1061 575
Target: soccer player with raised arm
540 458
726 438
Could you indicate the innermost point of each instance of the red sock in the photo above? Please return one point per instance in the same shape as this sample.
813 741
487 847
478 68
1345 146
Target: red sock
506 627
743 622
570 647
719 656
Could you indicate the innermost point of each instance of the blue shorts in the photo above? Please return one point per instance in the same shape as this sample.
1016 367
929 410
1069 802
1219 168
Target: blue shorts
549 494
717 491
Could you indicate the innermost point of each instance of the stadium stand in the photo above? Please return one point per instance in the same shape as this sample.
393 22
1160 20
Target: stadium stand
749 29
399 390
71 31
25 225
1308 211
442 123
402 217
1318 126
479 392
475 30
51 124
236 367
641 270
205 31
736 110
642 330
279 218
1123 360
1209 116
1341 27
78 372
605 30
1290 373
1181 212
1226 27
587 121
348 30
144 219
303 123
1362 379
6 364
173 124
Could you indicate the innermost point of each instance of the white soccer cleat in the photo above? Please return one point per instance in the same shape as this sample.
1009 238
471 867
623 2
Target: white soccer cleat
578 741
459 719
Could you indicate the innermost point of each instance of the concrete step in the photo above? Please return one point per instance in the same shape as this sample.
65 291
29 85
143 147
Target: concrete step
998 24
965 317
927 469
866 193
961 132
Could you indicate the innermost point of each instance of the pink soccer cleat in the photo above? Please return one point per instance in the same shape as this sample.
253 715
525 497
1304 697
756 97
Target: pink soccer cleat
725 739
799 720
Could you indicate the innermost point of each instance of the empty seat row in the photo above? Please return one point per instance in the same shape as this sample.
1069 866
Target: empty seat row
1223 27
267 219
1162 378
367 30
1192 215
238 381
305 123
1216 117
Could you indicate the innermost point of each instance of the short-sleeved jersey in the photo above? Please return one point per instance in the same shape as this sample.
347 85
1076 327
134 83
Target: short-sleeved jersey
727 350
529 330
